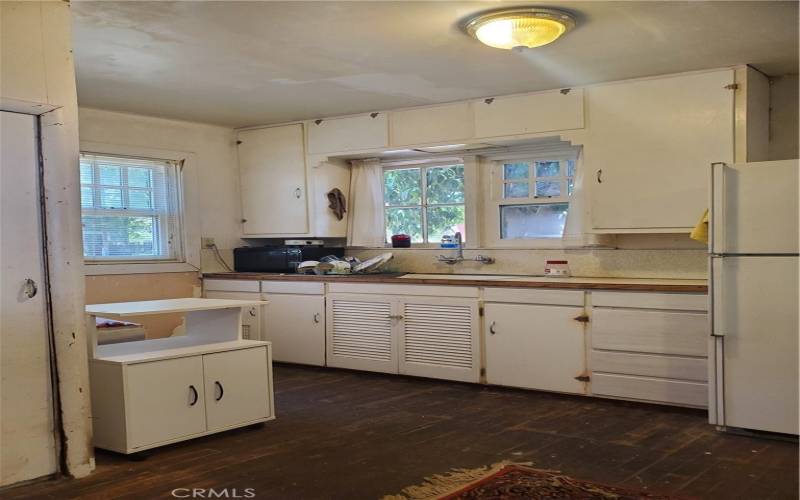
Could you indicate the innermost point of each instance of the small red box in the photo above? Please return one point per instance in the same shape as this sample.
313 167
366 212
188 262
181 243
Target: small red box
401 241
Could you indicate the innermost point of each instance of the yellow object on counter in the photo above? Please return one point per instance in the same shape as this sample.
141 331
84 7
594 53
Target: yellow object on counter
700 231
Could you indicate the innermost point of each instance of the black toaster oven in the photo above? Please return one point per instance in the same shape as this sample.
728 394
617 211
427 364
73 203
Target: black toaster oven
279 258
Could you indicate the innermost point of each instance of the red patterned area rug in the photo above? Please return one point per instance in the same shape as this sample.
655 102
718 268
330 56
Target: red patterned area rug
513 481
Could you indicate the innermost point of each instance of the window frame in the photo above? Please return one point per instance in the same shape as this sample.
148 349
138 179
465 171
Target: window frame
494 191
188 213
423 206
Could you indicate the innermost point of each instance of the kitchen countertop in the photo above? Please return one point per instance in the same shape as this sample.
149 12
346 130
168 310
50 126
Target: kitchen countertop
631 284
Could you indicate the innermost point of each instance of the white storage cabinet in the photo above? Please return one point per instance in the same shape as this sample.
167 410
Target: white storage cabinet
294 321
535 339
150 393
650 347
428 331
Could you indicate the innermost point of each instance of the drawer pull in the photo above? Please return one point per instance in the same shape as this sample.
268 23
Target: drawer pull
195 396
221 390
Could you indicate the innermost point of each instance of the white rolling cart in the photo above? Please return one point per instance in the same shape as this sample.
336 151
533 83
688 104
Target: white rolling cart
155 392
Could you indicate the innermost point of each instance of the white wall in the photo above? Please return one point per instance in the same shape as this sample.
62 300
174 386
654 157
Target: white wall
37 70
783 123
215 150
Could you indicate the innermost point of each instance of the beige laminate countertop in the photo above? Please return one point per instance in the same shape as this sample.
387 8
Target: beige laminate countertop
631 284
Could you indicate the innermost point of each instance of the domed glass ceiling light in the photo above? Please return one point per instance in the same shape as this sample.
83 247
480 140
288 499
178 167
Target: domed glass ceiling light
519 28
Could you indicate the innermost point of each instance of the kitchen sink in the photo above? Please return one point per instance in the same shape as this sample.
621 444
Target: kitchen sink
505 277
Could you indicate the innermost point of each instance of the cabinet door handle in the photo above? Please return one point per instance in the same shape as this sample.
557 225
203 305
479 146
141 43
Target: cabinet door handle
395 316
600 176
316 318
195 396
491 327
221 390
253 312
297 193
30 288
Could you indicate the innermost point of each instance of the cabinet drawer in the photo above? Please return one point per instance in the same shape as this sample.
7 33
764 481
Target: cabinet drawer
659 332
651 389
639 300
650 365
230 285
301 287
165 401
236 387
532 296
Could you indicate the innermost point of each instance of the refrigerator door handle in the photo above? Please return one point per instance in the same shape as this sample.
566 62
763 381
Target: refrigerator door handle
716 206
716 292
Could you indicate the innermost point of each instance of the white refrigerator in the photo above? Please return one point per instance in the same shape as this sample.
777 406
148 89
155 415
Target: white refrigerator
753 246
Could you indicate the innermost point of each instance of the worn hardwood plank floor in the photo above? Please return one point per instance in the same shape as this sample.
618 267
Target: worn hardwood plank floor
351 435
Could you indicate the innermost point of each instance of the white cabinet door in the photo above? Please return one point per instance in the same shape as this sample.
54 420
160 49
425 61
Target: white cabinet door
251 316
360 332
352 133
439 338
165 401
273 180
649 147
295 324
432 124
236 387
329 175
529 114
535 347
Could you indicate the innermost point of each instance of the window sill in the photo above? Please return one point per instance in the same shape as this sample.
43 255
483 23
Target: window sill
138 268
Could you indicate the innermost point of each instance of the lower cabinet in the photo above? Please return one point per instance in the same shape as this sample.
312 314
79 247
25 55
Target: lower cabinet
295 325
535 346
142 405
421 336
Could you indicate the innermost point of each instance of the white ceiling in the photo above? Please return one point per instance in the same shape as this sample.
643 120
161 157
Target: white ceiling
251 63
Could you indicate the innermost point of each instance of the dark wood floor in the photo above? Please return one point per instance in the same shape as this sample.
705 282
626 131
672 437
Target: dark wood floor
351 435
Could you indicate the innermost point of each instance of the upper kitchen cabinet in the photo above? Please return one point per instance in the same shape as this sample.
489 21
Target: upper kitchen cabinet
324 177
529 113
348 134
431 124
649 147
272 169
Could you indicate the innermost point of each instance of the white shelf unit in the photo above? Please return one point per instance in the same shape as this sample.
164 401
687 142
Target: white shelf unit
150 393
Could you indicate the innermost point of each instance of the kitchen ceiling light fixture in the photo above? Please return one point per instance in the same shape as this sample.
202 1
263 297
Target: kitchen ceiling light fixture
519 28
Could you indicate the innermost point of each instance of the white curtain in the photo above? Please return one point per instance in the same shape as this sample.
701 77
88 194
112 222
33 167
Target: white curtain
365 223
576 229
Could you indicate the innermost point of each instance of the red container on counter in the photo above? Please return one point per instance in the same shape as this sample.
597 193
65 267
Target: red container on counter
401 241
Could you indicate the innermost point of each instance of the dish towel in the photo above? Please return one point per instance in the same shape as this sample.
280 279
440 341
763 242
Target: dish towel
337 203
700 231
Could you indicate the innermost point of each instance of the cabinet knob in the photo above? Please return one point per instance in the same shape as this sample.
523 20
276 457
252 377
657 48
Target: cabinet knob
195 396
29 288
244 220
491 327
316 318
297 193
253 312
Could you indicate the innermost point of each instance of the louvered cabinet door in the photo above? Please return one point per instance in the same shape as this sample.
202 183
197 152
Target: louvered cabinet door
360 332
439 338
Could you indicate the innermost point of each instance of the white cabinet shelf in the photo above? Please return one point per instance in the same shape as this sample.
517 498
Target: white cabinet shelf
155 392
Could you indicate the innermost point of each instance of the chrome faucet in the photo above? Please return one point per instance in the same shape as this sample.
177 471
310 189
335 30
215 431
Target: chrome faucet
459 254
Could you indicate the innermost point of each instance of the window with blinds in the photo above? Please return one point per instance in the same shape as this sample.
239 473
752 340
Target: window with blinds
130 209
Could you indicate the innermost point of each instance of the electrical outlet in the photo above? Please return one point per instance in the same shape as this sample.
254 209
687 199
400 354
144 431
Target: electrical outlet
207 242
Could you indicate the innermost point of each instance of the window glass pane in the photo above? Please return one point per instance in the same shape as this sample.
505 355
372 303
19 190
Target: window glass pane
110 236
87 197
445 184
111 198
87 174
404 221
139 177
547 169
110 175
139 199
548 188
533 221
570 168
515 171
402 187
515 190
570 186
445 219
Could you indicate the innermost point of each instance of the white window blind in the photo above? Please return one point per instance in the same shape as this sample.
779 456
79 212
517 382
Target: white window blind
130 209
